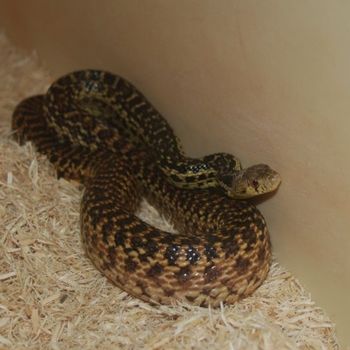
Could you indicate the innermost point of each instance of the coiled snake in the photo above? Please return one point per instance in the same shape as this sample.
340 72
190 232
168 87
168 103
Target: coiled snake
97 128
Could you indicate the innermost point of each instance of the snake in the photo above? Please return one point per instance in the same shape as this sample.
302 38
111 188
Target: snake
95 127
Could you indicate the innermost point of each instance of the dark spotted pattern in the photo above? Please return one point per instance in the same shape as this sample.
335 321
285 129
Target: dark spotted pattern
155 270
130 264
172 253
192 255
242 264
211 273
210 252
184 274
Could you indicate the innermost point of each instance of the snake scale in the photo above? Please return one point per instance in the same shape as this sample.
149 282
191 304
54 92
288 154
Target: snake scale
97 128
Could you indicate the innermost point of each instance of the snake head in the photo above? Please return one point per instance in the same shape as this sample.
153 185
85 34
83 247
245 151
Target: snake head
250 182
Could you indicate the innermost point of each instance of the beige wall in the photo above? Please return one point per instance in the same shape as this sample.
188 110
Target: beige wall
266 80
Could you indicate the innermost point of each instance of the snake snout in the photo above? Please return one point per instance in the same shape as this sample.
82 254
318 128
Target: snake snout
250 182
263 178
275 180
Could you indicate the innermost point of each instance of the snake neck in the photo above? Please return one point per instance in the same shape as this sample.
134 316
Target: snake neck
196 173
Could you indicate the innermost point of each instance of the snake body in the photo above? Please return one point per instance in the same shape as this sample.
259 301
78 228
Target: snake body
96 128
